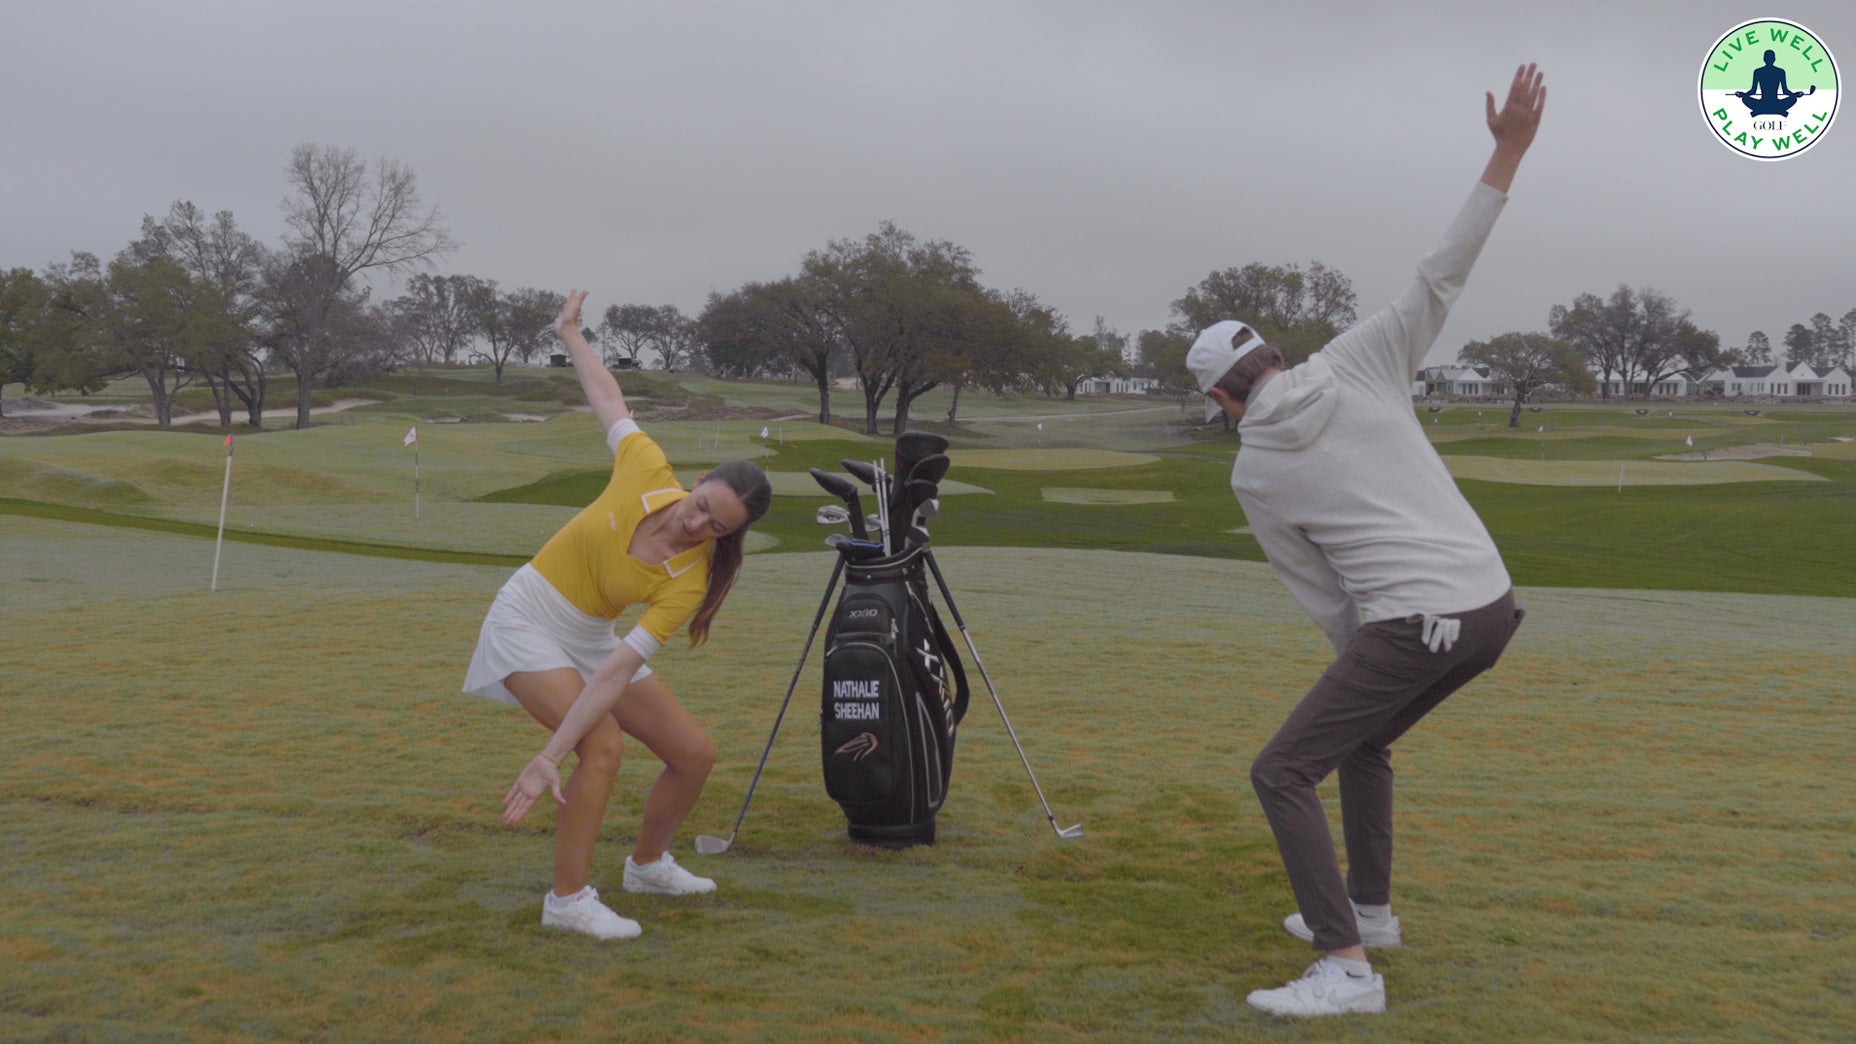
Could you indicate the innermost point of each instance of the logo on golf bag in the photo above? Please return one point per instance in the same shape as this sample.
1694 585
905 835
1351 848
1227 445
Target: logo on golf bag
860 747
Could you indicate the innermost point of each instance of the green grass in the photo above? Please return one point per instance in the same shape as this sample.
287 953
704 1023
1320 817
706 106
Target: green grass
268 814
351 481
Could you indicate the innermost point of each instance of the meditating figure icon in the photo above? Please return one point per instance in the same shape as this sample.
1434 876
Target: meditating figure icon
1770 95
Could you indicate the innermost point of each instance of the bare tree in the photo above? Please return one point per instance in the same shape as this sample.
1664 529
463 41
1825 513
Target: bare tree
346 219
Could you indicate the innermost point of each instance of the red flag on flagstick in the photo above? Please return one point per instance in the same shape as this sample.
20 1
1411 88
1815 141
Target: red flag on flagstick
228 438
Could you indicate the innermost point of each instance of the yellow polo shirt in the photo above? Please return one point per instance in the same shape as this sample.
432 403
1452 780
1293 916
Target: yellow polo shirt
588 562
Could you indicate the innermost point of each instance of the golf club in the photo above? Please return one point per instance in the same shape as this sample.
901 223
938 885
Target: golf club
929 471
882 501
833 515
1069 833
707 844
844 490
863 471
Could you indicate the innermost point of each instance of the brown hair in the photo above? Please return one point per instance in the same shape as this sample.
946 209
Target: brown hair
750 484
1242 376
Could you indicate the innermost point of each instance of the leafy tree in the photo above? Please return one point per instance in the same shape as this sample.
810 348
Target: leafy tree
23 300
1824 345
1846 340
1009 342
888 299
228 266
1799 345
1163 357
1085 357
345 220
1298 312
1758 349
1602 330
773 327
433 318
137 315
1527 362
512 325
1639 336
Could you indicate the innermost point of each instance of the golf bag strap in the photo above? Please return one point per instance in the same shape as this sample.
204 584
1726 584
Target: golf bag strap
952 656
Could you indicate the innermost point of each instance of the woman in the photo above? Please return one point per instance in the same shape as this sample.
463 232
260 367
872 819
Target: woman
549 644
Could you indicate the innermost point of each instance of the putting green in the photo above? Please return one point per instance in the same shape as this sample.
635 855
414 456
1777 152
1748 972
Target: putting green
1047 460
1606 472
1068 495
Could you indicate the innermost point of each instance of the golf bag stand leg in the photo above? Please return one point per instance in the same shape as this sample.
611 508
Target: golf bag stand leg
707 845
1067 833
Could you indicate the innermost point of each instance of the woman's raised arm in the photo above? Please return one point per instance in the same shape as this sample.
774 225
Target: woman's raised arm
602 389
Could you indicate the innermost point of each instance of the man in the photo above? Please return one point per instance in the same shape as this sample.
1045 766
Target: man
1363 524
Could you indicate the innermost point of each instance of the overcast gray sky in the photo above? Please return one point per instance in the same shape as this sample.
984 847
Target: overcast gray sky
1105 156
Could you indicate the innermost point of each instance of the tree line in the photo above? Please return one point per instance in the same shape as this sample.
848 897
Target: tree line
195 301
1636 339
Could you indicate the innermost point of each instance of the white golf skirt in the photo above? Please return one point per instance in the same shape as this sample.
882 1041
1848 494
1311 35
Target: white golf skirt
533 627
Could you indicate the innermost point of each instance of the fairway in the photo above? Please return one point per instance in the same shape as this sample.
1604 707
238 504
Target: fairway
269 813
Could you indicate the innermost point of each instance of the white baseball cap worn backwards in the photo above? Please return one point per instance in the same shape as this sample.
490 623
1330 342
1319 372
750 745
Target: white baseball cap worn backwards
1212 356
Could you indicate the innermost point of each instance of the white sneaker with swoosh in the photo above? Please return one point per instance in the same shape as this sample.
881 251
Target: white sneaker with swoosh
1325 989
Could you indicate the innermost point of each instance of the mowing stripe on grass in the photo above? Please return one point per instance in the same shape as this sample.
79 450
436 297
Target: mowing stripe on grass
59 512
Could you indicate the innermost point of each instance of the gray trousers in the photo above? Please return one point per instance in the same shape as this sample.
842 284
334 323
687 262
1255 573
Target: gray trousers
1385 681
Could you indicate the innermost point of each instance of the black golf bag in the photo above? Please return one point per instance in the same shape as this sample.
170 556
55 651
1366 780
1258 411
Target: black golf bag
895 692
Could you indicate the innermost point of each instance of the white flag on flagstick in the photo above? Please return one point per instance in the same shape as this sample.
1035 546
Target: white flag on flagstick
764 433
1040 425
1540 429
1691 442
412 436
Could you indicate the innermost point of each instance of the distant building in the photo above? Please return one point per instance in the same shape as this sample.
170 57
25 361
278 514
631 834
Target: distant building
1117 386
1469 382
1782 381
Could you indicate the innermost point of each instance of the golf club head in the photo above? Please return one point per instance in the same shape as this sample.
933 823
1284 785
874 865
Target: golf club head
1070 833
836 485
931 468
862 471
928 509
833 515
707 845
874 521
912 446
918 536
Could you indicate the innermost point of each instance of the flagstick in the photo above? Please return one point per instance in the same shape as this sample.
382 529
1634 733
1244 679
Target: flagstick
219 542
1620 477
415 480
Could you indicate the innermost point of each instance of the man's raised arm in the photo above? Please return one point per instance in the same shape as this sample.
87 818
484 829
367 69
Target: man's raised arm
1514 125
1392 344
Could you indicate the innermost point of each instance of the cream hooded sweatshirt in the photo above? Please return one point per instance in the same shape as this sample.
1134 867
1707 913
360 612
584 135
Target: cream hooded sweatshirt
1353 507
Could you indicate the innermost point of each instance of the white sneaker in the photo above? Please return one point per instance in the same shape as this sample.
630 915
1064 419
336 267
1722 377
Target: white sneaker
1380 935
663 877
584 913
1326 989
